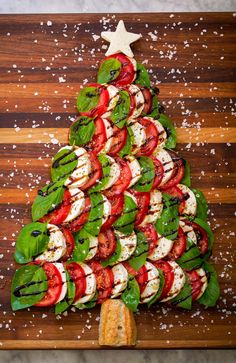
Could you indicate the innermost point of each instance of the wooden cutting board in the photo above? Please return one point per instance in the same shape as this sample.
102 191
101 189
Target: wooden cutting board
44 59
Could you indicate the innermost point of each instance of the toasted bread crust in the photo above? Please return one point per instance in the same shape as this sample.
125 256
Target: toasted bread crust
117 325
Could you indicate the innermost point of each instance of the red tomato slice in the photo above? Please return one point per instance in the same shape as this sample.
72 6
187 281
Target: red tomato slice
78 223
102 105
118 140
159 172
106 244
196 284
127 72
130 269
142 278
104 279
117 203
147 100
99 137
77 275
177 174
95 174
132 103
179 246
124 179
59 214
168 276
54 285
151 137
70 244
202 237
177 193
143 201
151 235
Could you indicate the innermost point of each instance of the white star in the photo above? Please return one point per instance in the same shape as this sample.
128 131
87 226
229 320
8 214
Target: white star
120 40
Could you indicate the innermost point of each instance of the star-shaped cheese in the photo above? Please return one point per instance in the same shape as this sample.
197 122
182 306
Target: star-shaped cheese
120 40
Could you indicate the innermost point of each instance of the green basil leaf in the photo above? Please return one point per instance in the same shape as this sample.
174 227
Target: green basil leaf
202 206
29 285
148 174
186 179
126 150
168 223
88 305
140 254
47 199
212 292
82 131
88 98
125 223
106 170
170 130
155 104
63 305
114 257
208 230
120 113
82 243
159 292
109 70
94 223
63 163
191 259
131 295
32 240
184 298
142 77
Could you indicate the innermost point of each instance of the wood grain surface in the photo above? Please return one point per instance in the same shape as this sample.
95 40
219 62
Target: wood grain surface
192 59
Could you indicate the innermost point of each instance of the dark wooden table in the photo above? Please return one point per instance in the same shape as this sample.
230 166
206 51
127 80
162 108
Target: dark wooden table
44 59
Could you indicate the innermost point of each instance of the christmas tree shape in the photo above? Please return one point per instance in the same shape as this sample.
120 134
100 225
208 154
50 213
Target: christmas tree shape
119 219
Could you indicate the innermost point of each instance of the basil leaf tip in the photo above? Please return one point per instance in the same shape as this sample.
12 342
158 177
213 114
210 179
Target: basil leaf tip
109 70
32 240
82 131
29 285
88 99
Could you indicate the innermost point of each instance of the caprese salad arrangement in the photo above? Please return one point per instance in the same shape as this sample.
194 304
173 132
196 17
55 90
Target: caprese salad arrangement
119 218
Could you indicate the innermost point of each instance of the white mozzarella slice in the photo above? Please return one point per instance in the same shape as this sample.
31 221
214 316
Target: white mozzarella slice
162 135
62 272
164 157
152 285
204 281
109 136
190 205
135 169
133 61
128 244
81 174
113 99
93 247
90 285
192 236
163 247
188 230
139 135
106 209
77 206
56 247
178 283
114 173
139 100
155 208
120 280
